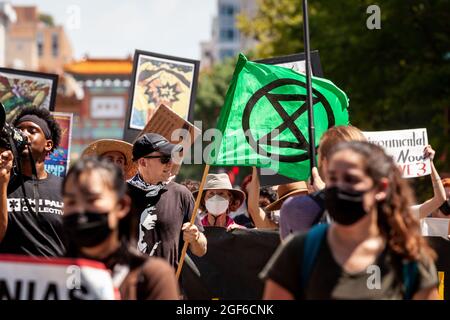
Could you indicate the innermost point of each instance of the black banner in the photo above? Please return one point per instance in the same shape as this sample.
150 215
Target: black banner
442 248
230 268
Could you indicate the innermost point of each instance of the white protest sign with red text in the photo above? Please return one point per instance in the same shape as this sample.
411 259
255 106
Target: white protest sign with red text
406 147
30 278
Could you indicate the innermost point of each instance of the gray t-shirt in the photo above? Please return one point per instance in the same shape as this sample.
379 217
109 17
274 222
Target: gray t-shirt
329 281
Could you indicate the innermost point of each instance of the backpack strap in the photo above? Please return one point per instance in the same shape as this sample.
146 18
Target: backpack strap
319 199
311 248
410 272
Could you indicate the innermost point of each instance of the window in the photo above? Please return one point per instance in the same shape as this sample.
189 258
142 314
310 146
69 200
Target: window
40 44
227 35
227 10
55 44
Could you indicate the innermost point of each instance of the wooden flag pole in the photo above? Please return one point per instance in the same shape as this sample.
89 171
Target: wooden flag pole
311 128
194 215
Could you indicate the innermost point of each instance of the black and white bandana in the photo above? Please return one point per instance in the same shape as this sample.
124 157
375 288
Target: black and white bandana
151 189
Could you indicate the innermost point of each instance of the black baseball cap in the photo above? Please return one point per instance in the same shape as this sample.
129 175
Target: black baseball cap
151 142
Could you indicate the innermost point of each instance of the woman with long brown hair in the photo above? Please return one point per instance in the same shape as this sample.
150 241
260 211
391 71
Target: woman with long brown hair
300 213
373 248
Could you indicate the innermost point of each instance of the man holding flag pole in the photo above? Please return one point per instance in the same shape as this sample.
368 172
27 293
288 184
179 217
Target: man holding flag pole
267 119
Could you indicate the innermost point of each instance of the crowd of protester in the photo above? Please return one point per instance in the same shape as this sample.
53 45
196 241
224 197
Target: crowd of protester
120 204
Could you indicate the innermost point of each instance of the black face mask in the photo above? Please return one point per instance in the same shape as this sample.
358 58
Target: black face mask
344 207
87 229
445 208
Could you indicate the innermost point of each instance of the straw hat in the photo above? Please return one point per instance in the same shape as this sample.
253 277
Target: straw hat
287 190
100 147
220 181
446 182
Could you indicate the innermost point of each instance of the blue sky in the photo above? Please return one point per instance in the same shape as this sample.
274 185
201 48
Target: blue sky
116 28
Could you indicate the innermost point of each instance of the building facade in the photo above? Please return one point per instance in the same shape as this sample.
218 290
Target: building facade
33 44
101 111
226 40
7 16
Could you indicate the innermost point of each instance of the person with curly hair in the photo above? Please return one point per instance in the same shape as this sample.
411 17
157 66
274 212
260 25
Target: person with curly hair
31 203
372 249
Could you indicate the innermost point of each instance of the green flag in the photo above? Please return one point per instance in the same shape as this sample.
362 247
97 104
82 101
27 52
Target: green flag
264 120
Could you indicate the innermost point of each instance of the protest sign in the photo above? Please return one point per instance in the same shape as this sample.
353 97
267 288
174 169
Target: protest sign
174 128
31 278
57 162
165 122
22 88
230 268
159 79
435 227
297 62
406 147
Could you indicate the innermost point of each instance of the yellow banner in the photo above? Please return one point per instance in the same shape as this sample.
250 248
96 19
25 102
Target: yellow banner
441 285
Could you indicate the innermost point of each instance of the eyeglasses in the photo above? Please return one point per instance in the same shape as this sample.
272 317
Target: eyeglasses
164 159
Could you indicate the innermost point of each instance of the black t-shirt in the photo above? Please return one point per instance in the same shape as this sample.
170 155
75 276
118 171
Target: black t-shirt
245 221
157 219
329 281
34 234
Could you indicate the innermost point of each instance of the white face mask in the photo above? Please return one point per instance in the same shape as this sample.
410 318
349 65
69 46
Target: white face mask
276 216
216 205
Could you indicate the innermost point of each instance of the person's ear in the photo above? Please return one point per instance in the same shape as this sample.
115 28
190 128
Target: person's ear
124 207
48 146
141 162
382 190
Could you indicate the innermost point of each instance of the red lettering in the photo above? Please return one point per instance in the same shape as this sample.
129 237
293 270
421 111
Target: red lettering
422 167
404 167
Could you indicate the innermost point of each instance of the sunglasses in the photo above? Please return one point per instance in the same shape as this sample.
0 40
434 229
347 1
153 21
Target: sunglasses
164 159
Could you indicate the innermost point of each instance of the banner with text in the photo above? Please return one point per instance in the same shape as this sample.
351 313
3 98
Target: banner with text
406 147
28 278
57 162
